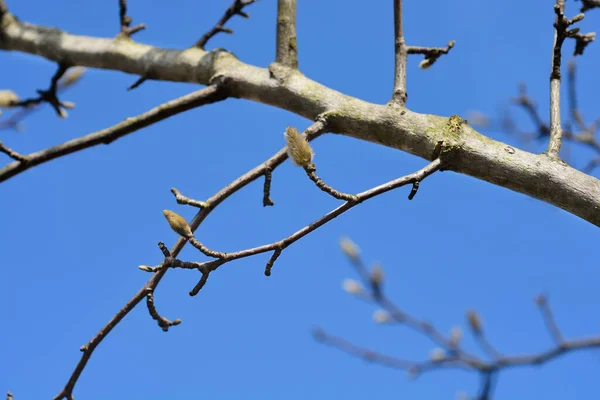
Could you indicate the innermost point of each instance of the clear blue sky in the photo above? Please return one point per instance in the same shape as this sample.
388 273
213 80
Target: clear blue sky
73 231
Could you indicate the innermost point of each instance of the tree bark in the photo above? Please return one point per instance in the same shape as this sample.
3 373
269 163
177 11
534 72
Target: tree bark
465 150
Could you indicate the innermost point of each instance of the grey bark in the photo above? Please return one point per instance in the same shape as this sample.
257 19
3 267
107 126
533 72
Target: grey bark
465 150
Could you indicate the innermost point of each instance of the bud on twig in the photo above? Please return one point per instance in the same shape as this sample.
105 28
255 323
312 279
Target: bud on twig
71 76
455 335
298 148
8 98
350 248
178 223
377 275
381 316
474 322
437 355
353 287
425 64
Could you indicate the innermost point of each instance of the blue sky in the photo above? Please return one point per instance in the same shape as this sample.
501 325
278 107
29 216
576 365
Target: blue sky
74 230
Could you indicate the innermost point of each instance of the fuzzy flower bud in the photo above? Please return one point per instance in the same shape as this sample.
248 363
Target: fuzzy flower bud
376 275
381 316
455 335
437 355
178 223
425 64
349 248
8 98
71 76
298 148
474 322
353 287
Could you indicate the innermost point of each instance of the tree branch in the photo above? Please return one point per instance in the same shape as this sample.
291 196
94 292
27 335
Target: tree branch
287 46
450 354
125 21
468 151
208 95
560 26
67 392
235 9
400 95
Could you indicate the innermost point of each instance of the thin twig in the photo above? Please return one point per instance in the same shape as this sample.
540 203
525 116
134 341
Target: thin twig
267 201
399 95
125 21
431 53
235 9
286 46
561 32
163 322
208 95
50 95
181 199
311 171
12 154
69 79
542 302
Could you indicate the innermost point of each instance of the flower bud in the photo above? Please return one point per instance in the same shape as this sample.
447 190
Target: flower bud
298 148
353 287
8 98
178 223
381 316
349 248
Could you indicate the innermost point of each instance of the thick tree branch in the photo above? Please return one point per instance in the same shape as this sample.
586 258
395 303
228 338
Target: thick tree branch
287 46
208 95
468 151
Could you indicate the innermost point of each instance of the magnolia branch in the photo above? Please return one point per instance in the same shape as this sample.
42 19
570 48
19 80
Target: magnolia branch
450 353
216 92
402 50
179 225
67 392
236 8
469 152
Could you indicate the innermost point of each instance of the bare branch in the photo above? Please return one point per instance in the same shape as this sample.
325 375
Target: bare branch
163 322
208 95
158 273
181 199
287 46
431 53
69 79
542 302
311 171
125 20
12 154
50 95
235 9
561 32
267 189
400 95
589 5
450 354
534 175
